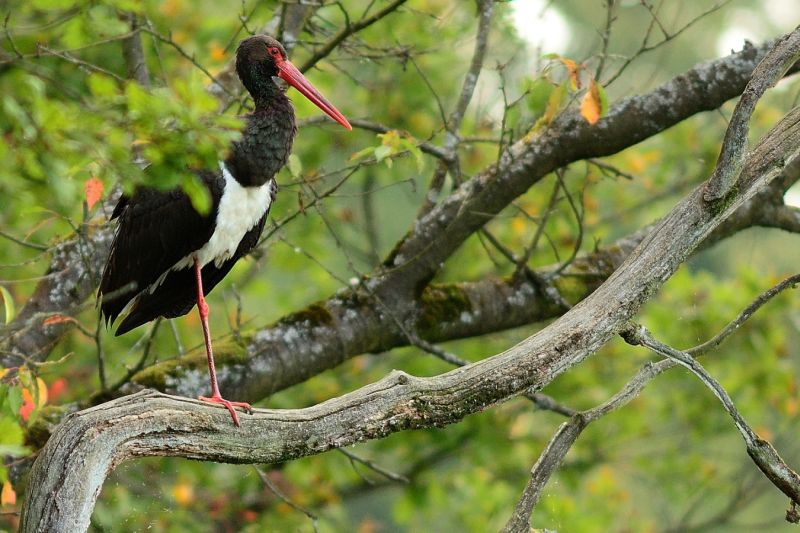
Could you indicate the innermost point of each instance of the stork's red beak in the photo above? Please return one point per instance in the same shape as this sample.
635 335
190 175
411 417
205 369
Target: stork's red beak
295 78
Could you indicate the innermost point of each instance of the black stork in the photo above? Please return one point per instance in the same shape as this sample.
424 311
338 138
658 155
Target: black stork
165 255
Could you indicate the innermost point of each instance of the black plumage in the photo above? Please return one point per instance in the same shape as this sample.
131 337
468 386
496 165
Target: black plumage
165 255
157 229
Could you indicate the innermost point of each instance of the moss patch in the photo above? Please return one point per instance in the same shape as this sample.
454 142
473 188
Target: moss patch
313 314
48 418
228 352
442 303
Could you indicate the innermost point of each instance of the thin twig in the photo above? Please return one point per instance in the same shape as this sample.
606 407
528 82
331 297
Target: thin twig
346 32
388 474
32 245
167 39
79 62
285 499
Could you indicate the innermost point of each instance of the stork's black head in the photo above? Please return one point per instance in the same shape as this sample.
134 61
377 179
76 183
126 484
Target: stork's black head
261 57
256 62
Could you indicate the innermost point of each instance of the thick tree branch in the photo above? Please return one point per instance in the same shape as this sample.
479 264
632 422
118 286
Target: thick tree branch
132 51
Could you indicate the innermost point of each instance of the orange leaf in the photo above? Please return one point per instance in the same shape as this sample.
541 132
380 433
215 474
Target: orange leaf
573 68
27 405
7 495
93 188
217 52
591 105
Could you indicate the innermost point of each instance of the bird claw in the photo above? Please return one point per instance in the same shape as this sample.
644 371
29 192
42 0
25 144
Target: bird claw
229 405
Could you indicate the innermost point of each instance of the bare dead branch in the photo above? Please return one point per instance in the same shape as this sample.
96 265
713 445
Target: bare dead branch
772 68
760 450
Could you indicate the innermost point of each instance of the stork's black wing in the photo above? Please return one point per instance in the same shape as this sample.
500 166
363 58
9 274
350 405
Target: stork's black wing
156 230
178 293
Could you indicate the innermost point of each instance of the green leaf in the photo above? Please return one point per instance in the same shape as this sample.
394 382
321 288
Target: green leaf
603 100
198 194
362 153
10 432
10 401
381 152
295 166
8 304
102 86
539 91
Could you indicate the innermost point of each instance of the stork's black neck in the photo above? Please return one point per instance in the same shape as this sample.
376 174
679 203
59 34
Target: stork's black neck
266 140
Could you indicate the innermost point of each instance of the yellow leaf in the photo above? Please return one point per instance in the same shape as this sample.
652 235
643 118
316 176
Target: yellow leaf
590 105
518 226
217 52
554 103
7 495
41 392
183 493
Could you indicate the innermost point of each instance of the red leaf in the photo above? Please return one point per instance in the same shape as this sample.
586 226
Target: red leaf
57 388
57 319
93 188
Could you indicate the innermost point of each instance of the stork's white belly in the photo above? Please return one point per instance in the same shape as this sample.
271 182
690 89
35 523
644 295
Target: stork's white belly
240 208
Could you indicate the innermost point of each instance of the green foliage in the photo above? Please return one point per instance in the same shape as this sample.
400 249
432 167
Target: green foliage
644 467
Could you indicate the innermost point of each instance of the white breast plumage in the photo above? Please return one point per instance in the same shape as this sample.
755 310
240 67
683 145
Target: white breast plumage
240 208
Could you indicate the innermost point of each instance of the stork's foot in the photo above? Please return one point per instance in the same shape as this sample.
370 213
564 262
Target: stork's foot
229 405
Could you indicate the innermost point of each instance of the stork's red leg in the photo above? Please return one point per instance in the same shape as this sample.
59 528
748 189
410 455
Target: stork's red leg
215 397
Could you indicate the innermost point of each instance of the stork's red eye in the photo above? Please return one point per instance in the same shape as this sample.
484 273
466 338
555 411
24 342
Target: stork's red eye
274 52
